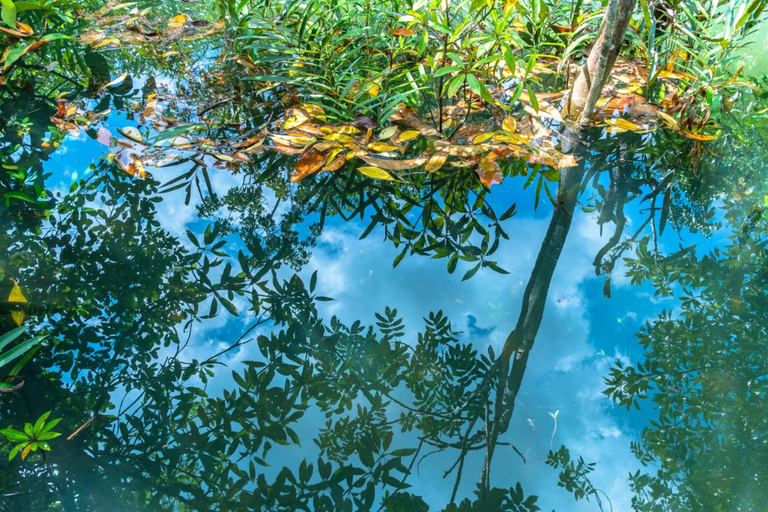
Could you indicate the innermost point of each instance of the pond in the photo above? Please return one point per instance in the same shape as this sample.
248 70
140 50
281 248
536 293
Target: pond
224 330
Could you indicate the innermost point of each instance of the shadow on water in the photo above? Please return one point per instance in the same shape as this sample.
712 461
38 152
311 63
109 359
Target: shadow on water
122 289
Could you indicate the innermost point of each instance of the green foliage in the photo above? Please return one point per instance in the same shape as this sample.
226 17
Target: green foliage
32 437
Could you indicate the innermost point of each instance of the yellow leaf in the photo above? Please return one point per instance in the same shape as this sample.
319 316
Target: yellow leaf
697 136
18 317
375 172
348 130
177 21
16 294
671 121
509 124
483 137
436 161
118 80
622 124
25 451
408 135
380 147
293 122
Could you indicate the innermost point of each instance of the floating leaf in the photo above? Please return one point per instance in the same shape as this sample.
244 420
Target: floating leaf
394 165
483 137
408 135
375 172
131 132
436 161
388 132
135 168
104 136
311 161
380 147
117 81
509 124
17 295
336 159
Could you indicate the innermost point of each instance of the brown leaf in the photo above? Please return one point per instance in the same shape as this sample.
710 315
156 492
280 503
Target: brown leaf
311 161
336 160
489 172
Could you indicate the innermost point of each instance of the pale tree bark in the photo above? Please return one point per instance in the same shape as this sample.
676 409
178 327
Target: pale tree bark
593 76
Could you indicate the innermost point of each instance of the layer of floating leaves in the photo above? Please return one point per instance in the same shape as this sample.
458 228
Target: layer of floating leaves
124 24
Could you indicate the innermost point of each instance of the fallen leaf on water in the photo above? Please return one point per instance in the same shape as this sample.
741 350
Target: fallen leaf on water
311 161
131 132
135 168
117 81
375 172
408 135
436 161
104 136
671 121
509 124
177 21
150 109
489 173
336 159
380 147
620 125
484 137
388 132
294 121
16 294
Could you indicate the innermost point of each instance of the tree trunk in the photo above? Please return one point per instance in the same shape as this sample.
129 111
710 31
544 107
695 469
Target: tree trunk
602 57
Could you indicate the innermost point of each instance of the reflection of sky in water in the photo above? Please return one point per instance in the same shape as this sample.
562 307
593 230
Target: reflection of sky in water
582 332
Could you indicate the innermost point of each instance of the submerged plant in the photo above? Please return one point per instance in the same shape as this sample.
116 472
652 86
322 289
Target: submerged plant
33 437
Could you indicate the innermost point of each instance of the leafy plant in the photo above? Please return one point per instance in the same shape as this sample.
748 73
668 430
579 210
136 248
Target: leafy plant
33 437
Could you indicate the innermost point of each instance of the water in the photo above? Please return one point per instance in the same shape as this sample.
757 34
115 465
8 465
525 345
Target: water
189 406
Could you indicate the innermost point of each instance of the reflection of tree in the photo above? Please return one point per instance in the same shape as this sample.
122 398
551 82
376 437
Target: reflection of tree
704 369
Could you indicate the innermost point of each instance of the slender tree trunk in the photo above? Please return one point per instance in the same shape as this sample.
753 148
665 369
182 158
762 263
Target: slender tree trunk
590 81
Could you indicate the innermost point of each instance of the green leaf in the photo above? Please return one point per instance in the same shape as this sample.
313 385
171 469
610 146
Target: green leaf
19 350
447 69
531 63
229 306
8 337
509 58
472 272
40 422
15 451
8 12
518 92
478 88
532 97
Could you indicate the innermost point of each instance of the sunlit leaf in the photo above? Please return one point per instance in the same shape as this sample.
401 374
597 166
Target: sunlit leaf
16 295
117 81
509 124
408 135
375 172
436 161
311 161
697 136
